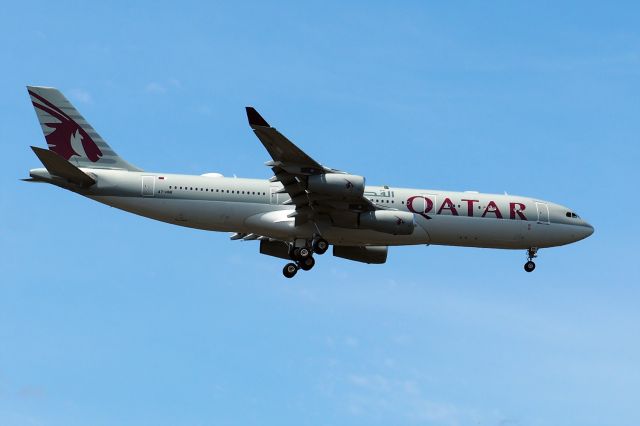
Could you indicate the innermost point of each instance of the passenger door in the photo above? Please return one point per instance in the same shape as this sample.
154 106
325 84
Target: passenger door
543 213
148 186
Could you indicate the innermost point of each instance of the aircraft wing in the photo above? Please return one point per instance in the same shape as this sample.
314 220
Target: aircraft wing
294 168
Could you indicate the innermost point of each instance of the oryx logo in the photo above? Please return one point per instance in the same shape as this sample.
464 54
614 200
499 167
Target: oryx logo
399 221
67 138
349 185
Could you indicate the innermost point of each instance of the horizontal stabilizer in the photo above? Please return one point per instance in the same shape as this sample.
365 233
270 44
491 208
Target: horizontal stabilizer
58 166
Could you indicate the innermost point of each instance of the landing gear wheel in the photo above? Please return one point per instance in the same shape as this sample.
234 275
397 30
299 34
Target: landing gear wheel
307 264
529 266
300 253
320 246
303 253
290 270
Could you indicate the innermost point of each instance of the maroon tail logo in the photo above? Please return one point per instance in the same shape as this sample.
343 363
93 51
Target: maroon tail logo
67 137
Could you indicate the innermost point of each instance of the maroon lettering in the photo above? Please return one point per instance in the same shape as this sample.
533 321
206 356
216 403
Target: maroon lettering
517 209
492 207
448 205
428 205
470 206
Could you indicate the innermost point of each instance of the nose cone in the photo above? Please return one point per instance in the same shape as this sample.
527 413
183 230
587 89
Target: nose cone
586 231
590 230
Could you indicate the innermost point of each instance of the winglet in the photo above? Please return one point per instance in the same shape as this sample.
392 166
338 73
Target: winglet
255 119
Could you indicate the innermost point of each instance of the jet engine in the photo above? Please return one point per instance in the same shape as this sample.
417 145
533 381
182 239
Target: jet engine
337 184
388 221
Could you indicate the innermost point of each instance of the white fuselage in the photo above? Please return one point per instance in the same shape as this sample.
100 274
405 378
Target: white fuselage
254 206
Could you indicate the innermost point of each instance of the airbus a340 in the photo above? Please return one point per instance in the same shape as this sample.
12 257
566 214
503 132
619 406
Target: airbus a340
303 209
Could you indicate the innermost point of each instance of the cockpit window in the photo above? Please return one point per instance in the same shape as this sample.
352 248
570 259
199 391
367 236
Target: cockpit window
573 215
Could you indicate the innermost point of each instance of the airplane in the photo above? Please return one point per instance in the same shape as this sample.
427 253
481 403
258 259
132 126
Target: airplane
302 209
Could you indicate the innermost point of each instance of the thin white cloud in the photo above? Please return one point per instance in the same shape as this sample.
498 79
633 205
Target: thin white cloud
378 395
156 88
163 87
80 95
204 110
351 341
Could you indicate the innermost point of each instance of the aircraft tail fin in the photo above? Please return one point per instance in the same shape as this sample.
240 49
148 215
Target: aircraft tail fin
58 166
69 135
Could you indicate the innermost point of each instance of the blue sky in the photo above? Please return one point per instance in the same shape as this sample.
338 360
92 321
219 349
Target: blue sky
108 318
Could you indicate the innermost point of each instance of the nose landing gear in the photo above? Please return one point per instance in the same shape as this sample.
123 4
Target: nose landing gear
532 253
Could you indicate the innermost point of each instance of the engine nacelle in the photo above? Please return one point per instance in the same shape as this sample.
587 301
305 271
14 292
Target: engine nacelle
337 184
388 221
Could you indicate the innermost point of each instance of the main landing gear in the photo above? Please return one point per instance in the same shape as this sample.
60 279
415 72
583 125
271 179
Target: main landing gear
532 253
303 256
